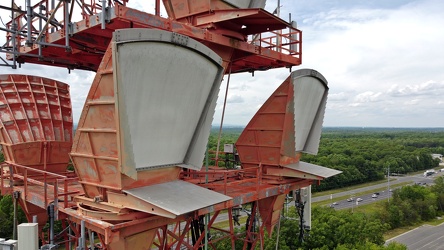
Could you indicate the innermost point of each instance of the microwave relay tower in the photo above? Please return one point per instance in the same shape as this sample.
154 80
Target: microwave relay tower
132 175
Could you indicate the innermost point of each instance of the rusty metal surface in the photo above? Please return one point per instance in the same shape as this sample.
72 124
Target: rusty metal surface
35 121
289 122
88 41
140 123
178 197
137 131
269 210
264 140
246 21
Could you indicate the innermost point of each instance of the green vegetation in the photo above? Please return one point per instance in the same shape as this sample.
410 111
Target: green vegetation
367 227
365 155
228 136
413 204
331 229
7 216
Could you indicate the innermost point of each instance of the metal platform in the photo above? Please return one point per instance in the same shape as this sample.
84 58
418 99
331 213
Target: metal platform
176 197
141 138
312 171
81 44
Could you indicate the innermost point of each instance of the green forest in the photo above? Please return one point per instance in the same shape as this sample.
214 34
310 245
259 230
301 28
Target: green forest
345 229
366 154
363 154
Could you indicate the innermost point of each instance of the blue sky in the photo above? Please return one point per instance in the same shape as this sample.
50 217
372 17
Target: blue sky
384 61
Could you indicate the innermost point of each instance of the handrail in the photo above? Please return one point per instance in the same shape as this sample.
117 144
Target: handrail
287 43
249 175
50 182
42 11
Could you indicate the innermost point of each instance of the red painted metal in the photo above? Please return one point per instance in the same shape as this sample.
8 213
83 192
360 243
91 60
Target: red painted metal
88 42
35 122
268 139
38 189
246 39
95 150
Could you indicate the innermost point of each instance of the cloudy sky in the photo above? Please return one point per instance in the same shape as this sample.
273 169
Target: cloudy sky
384 61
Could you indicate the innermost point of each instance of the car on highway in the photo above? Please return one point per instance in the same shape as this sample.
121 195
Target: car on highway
333 204
359 199
350 199
374 196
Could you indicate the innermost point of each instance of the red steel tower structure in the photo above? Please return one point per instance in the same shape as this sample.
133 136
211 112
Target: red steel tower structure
138 149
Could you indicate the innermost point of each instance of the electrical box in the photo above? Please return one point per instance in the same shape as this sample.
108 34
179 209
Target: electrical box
28 236
7 245
228 148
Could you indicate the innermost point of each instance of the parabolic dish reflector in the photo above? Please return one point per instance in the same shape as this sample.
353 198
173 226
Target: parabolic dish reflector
166 86
310 98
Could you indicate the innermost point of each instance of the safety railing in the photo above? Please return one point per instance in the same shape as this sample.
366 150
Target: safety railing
222 180
45 16
32 24
55 187
288 41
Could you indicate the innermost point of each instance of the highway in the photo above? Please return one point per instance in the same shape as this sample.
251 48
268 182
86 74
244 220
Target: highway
366 199
425 237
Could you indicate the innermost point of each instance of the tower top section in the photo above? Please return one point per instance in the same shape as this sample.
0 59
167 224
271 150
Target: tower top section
75 35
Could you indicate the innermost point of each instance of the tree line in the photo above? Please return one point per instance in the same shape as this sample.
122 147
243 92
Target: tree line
412 204
331 230
366 155
345 229
363 155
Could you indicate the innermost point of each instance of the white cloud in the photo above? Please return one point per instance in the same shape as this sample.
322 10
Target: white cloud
367 96
412 102
235 99
382 59
429 88
382 56
338 97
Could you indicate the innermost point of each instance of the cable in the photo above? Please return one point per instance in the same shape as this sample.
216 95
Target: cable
2 22
222 118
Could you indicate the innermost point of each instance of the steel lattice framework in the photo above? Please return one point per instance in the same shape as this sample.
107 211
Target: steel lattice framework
127 204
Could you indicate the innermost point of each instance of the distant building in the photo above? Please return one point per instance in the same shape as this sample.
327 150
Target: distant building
437 156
